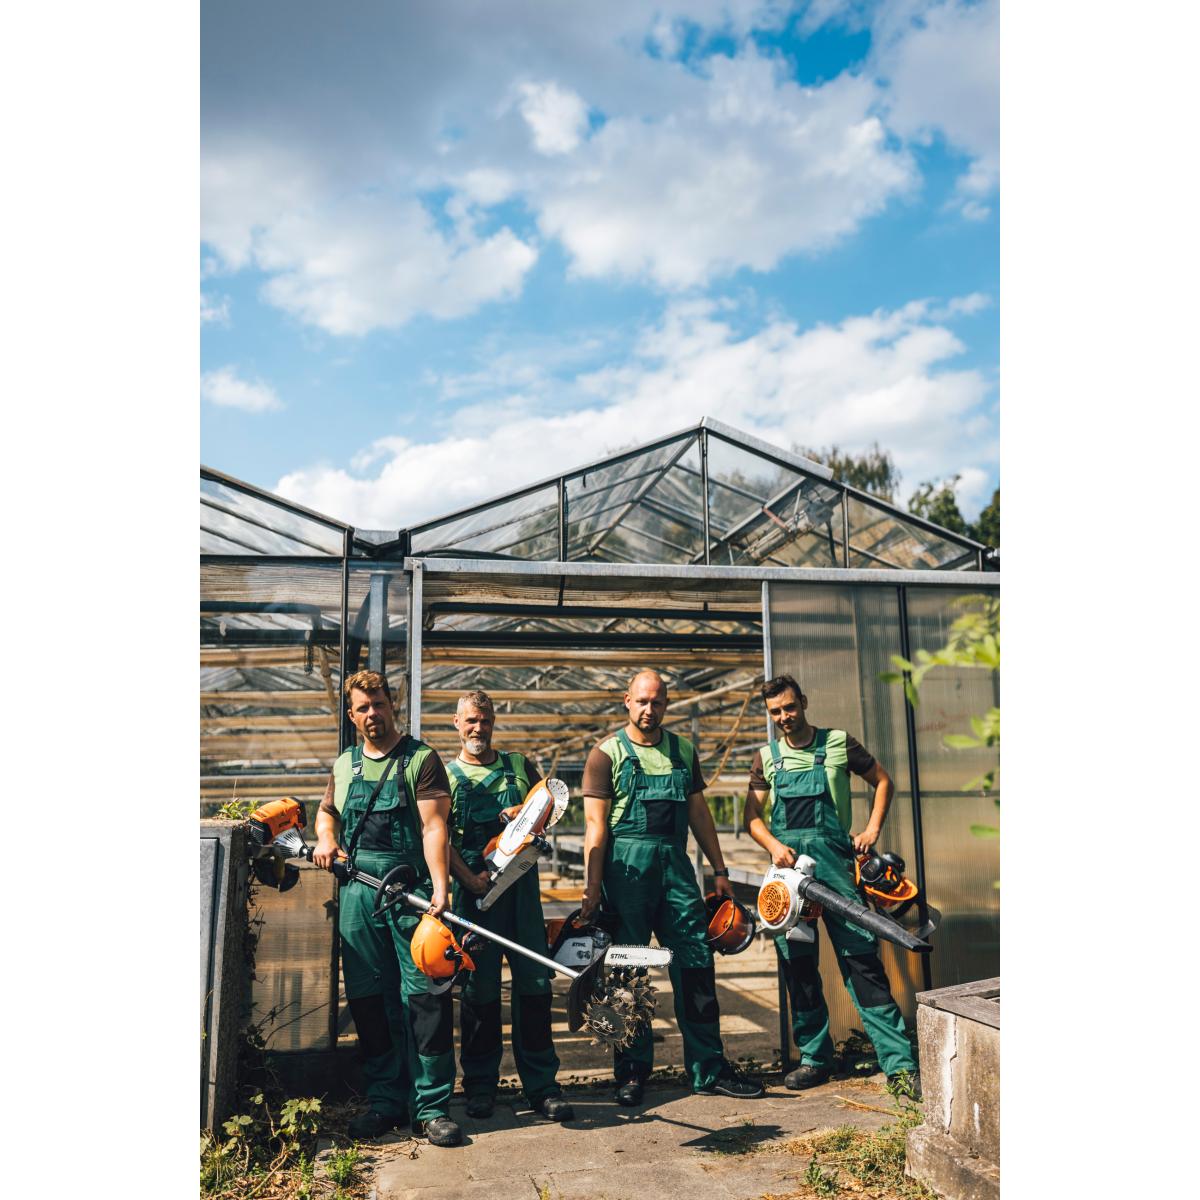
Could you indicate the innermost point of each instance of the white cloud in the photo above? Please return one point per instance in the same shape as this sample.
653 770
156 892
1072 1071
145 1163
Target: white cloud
367 264
972 491
214 310
225 388
556 116
882 377
942 68
695 171
752 168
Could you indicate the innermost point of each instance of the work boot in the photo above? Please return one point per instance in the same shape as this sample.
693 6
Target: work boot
806 1075
373 1124
441 1131
480 1106
906 1083
731 1082
629 1093
556 1108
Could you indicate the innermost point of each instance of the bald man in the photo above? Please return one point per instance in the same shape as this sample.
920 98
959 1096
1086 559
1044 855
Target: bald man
642 791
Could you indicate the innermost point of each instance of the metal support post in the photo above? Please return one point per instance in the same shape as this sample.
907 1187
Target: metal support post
562 519
377 622
910 726
704 489
695 731
345 740
416 623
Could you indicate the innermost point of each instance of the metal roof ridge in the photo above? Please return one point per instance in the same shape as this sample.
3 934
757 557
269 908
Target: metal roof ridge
270 497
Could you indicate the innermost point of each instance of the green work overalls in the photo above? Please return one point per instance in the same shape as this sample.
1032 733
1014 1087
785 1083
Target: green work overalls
405 1034
650 884
806 817
517 915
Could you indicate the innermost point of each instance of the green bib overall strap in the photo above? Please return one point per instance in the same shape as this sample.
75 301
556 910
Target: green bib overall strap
802 799
477 819
656 804
399 757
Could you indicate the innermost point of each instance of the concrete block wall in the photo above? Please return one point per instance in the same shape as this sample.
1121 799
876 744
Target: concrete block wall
956 1152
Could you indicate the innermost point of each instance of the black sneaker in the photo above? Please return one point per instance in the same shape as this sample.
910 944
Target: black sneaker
480 1106
905 1083
441 1131
805 1076
555 1108
629 1093
731 1082
373 1124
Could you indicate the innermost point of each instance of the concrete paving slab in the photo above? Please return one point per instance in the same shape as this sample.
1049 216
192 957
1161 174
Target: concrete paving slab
675 1143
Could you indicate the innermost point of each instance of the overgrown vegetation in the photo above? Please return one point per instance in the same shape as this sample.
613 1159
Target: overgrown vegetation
267 1150
849 1161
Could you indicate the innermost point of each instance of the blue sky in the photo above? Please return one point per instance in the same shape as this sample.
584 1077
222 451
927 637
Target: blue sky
450 248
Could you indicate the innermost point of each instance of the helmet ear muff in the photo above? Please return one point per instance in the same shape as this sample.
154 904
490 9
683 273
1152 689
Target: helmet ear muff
730 924
435 951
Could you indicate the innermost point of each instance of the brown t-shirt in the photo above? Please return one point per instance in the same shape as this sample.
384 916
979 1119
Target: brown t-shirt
858 758
598 770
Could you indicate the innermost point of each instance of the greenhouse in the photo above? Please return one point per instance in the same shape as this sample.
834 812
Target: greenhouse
709 555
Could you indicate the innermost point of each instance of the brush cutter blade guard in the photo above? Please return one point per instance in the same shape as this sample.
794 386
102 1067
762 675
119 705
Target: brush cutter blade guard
615 1002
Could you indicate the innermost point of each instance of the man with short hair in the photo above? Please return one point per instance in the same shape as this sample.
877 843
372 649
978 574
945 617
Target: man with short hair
389 799
642 790
806 777
484 785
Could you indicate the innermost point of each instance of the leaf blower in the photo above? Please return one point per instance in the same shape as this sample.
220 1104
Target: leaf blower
518 846
788 896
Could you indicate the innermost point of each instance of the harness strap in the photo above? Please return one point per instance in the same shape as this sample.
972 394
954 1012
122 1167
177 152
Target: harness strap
409 747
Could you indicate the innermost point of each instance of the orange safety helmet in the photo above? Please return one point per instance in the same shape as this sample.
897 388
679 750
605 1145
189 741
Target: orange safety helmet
882 877
435 951
730 924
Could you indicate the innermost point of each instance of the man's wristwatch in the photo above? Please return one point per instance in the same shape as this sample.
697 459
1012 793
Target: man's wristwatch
718 871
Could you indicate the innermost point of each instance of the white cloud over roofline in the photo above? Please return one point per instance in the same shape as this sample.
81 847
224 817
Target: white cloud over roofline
227 389
883 377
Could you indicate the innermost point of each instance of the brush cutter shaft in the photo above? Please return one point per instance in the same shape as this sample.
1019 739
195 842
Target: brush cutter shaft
422 905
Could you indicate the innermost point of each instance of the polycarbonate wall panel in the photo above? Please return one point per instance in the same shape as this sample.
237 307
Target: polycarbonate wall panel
235 522
961 868
836 640
526 527
293 962
269 679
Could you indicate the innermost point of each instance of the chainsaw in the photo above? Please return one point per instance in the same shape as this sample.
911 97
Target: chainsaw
518 846
791 897
610 995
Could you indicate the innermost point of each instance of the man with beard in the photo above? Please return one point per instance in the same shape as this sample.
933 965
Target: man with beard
807 778
642 790
389 798
485 784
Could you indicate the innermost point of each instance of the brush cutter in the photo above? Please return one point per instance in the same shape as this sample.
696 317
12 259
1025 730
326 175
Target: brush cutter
519 845
611 996
791 896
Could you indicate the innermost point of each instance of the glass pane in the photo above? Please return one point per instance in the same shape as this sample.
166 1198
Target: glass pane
526 527
761 513
835 640
962 867
880 539
234 522
602 502
378 626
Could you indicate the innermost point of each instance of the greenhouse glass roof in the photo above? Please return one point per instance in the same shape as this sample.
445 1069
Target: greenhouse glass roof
708 495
